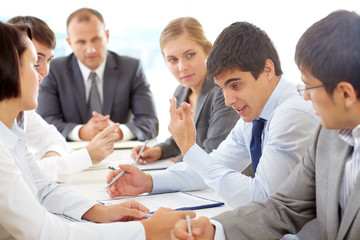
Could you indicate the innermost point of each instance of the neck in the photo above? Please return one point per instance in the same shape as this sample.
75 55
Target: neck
9 109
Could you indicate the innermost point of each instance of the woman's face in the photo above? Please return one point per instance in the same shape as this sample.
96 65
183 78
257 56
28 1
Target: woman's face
186 61
29 77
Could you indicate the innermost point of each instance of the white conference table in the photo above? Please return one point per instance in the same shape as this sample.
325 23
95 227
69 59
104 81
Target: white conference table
91 183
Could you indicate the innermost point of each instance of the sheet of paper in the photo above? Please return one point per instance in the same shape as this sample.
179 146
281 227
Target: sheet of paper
124 157
117 145
175 200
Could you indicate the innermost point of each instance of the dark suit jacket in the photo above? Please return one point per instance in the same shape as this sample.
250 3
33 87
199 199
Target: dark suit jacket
213 119
311 190
126 96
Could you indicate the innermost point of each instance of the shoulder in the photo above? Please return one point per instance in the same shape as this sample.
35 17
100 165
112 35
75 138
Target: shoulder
122 59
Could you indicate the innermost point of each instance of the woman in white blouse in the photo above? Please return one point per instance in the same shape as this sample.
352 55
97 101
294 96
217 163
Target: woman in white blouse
28 200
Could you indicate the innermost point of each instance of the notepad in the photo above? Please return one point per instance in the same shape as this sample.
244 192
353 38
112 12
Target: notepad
175 200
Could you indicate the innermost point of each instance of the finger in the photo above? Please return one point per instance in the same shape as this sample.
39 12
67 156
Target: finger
111 175
172 105
109 130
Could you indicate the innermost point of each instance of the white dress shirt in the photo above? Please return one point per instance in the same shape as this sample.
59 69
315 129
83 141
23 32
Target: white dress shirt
85 71
28 199
42 138
290 125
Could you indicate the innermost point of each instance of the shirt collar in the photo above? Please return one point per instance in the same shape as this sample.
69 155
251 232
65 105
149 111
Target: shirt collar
11 137
282 87
349 135
85 71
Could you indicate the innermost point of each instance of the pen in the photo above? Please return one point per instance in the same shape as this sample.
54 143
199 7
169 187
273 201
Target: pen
123 172
188 224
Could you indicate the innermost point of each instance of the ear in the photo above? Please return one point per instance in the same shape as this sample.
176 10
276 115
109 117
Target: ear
348 94
269 69
68 41
107 34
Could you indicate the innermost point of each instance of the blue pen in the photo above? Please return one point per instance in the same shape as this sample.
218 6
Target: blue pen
123 172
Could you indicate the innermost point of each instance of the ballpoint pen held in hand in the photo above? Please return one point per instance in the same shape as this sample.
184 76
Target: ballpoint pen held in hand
123 172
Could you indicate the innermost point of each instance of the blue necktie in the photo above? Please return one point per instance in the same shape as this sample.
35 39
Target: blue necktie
255 144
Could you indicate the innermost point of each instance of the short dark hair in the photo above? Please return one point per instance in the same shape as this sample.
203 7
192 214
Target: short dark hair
41 32
330 50
12 45
242 46
83 14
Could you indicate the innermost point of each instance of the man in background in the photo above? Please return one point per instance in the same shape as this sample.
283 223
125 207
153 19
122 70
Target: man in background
93 88
54 155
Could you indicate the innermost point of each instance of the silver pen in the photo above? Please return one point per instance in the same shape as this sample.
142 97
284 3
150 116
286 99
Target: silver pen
123 172
188 224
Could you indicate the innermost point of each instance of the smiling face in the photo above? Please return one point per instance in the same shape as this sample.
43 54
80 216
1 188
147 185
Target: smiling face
29 77
186 61
246 95
88 40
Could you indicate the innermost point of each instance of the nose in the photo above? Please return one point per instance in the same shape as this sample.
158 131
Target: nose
40 77
90 48
43 69
182 65
306 95
229 100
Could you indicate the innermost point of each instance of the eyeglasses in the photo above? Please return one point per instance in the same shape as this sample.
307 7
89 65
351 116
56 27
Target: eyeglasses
301 88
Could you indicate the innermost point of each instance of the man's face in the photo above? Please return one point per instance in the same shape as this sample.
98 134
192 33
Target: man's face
88 40
45 54
243 93
329 108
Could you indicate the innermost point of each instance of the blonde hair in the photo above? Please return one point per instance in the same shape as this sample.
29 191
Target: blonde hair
185 25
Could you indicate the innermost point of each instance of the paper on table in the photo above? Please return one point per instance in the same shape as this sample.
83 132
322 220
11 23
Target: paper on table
123 157
76 145
175 200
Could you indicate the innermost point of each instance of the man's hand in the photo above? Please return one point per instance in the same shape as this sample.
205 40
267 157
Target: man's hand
102 145
182 126
148 155
201 229
159 226
127 211
133 182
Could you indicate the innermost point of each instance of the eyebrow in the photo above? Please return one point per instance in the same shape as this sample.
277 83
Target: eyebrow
230 81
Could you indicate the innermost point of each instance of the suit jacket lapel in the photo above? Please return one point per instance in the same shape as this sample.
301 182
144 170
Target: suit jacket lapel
110 81
351 210
335 154
207 86
79 88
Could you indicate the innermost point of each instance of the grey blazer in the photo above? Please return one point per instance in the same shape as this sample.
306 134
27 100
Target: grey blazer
311 190
126 95
213 119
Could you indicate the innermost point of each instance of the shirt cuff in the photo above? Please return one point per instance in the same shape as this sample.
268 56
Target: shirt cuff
77 161
219 230
162 182
127 133
74 134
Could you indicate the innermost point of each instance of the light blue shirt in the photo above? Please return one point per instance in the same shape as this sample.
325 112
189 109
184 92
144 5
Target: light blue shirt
290 125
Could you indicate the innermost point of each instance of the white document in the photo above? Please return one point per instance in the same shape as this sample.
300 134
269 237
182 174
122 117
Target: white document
124 157
76 145
175 200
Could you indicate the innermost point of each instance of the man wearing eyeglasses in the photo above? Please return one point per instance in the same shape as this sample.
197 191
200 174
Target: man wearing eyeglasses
246 66
326 183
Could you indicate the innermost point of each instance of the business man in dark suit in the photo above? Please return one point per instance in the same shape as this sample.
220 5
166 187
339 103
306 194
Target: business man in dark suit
92 88
326 183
